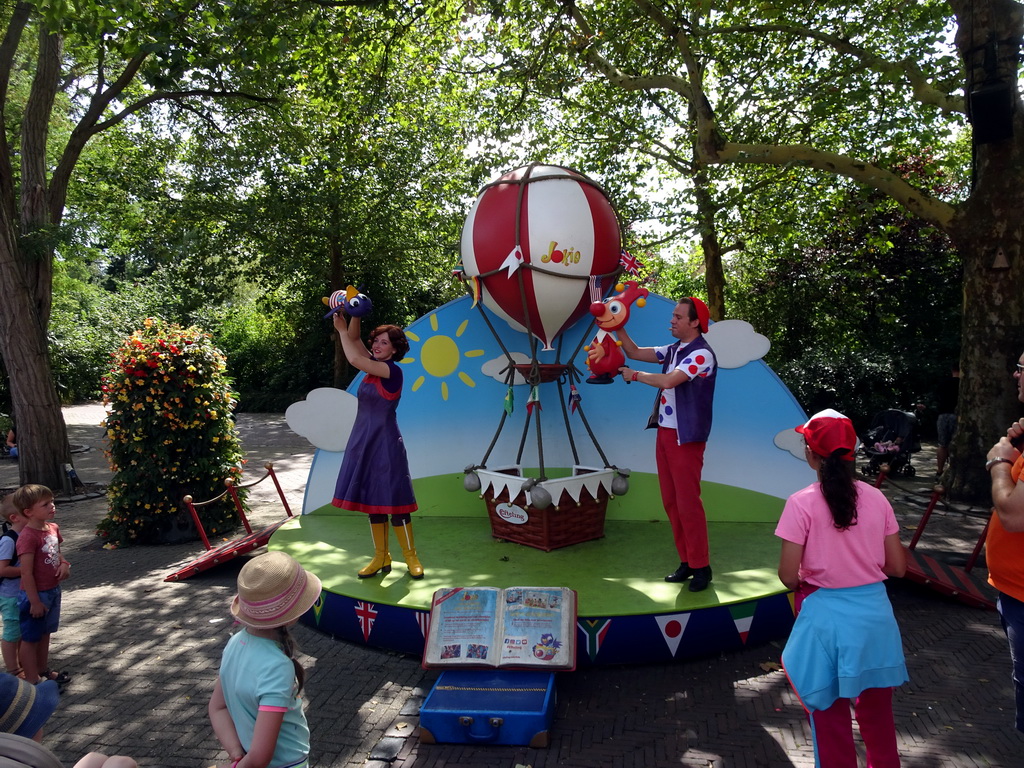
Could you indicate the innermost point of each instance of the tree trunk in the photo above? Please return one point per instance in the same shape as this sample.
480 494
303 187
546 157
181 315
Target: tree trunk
26 270
711 246
989 233
337 273
42 434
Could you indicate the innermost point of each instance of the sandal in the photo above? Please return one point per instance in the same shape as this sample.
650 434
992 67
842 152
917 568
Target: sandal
60 678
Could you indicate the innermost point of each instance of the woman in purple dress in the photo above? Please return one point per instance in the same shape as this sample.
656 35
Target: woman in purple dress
374 476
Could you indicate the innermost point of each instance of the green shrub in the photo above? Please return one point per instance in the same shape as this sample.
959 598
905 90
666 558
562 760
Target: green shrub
171 433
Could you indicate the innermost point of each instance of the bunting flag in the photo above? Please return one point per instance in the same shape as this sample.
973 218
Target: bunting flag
743 618
474 286
630 263
423 619
672 626
318 608
574 398
509 402
596 630
513 260
534 400
367 614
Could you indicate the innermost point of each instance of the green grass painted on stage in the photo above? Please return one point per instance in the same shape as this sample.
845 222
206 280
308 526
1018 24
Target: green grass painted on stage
620 574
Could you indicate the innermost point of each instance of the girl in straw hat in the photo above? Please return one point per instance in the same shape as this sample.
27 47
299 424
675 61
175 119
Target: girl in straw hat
255 709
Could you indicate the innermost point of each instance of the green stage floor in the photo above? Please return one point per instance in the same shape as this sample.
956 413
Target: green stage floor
619 575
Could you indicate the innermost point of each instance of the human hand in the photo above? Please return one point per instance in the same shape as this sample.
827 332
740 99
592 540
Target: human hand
1016 432
340 324
37 609
1004 449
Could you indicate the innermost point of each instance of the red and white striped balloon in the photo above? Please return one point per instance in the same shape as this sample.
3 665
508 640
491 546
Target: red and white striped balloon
566 231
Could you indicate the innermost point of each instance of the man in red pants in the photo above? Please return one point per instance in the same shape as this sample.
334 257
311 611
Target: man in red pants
683 419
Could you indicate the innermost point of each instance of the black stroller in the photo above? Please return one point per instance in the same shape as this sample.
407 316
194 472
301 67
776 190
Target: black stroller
891 439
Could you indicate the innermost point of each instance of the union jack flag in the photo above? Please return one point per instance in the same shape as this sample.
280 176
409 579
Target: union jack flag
574 398
367 614
630 263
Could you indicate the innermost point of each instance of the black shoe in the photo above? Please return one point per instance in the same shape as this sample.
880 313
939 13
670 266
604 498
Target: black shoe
682 573
701 579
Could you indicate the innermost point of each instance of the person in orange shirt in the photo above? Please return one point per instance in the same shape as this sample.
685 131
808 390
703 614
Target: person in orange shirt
1005 541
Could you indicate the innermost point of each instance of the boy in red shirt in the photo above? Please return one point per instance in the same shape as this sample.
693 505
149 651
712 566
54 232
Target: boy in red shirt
43 568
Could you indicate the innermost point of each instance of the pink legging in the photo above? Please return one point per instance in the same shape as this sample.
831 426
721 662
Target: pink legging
833 731
679 468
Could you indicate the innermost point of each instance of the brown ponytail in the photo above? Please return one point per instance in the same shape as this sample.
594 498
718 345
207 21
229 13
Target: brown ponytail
288 645
839 489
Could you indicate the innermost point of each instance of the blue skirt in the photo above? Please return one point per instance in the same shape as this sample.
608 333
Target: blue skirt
844 642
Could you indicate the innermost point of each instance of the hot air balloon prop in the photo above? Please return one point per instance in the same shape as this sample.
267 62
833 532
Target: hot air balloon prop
604 356
536 239
540 245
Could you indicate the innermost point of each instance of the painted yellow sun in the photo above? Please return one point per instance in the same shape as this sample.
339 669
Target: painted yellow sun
440 356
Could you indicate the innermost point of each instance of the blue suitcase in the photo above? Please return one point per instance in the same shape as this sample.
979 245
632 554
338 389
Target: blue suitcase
489 706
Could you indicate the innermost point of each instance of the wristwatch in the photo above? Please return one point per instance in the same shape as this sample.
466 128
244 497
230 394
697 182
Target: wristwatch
998 460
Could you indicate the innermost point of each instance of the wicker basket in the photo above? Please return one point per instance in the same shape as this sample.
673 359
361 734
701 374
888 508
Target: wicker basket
560 525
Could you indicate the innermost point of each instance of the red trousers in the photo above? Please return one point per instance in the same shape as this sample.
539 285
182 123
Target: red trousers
679 468
833 731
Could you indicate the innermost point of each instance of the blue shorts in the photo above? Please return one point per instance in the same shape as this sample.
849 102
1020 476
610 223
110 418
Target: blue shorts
945 425
12 619
33 629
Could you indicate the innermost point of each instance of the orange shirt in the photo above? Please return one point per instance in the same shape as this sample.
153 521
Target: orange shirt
1003 551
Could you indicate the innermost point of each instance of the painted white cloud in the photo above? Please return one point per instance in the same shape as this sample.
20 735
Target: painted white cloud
325 418
736 343
495 368
790 440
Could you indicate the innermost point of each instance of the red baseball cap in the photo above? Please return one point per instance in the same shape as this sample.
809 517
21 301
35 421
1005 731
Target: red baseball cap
829 431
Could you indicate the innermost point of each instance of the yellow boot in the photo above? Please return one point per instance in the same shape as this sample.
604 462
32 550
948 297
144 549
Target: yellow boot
404 535
381 562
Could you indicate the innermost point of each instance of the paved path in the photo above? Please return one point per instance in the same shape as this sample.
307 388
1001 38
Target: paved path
144 655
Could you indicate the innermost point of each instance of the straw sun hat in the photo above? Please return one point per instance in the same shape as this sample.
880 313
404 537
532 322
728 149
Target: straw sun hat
273 590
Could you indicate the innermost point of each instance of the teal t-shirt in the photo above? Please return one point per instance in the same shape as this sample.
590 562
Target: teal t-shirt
254 673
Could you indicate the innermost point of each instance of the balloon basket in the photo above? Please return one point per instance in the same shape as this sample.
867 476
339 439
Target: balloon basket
546 371
560 525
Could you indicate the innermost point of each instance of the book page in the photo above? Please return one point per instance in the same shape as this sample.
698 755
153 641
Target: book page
462 627
538 627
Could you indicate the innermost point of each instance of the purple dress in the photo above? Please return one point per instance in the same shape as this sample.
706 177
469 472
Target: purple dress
374 476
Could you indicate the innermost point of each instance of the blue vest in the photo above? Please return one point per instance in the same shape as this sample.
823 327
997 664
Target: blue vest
694 398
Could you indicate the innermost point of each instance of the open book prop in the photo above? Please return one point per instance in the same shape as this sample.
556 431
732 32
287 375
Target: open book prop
512 628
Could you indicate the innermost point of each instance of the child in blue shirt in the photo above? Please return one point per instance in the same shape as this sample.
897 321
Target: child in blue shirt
10 586
256 710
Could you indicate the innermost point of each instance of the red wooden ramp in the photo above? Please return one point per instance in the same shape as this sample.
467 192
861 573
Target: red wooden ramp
950 580
230 549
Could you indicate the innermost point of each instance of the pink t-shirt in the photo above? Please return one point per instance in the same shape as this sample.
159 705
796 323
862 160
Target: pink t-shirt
46 546
834 558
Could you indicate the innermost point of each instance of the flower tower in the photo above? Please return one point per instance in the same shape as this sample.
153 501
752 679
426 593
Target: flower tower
171 433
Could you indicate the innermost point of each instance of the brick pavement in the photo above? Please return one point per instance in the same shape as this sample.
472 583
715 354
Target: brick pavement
144 655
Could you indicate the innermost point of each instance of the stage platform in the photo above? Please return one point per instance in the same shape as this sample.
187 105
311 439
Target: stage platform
627 612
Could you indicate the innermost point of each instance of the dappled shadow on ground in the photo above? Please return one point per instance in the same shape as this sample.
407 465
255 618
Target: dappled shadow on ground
145 652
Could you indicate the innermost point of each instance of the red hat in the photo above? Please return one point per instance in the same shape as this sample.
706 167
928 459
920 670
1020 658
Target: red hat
702 313
829 431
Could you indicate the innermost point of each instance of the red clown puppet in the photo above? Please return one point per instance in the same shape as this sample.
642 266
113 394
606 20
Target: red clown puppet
604 358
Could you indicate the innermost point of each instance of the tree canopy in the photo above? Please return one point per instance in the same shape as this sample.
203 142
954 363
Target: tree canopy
242 159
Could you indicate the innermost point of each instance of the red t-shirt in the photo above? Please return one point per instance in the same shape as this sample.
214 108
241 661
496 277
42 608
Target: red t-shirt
45 545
